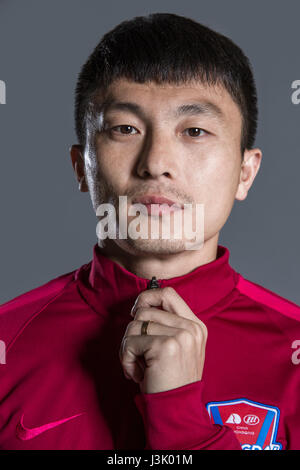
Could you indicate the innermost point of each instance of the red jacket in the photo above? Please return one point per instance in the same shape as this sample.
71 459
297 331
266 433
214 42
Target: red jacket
62 385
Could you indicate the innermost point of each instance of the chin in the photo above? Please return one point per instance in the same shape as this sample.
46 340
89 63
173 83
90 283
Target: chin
148 246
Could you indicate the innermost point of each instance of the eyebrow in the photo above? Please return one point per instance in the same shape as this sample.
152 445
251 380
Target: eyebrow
205 108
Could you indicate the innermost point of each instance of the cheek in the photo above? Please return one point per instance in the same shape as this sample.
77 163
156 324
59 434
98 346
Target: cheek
114 157
216 187
215 176
223 183
113 172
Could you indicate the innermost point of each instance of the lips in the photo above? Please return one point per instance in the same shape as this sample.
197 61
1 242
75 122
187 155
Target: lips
158 205
156 200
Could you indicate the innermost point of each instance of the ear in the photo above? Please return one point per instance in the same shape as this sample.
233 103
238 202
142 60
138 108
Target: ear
249 169
77 158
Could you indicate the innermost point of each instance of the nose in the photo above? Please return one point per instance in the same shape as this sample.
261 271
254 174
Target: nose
157 157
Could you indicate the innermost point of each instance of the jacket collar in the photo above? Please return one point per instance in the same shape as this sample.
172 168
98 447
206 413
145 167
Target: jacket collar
109 288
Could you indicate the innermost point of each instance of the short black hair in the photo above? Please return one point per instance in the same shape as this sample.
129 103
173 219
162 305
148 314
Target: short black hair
168 48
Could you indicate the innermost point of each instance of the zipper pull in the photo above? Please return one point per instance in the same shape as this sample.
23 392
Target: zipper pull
153 284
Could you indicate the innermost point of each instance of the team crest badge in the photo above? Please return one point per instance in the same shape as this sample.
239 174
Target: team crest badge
254 424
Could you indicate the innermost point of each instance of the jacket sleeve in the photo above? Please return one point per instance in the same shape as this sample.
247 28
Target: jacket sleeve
177 419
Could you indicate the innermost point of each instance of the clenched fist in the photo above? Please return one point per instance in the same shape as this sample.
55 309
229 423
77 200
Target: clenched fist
173 351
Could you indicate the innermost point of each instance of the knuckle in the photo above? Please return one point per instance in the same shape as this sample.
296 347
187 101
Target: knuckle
155 349
140 313
141 296
186 337
168 291
200 331
197 331
121 350
125 344
124 357
204 331
171 346
130 328
195 328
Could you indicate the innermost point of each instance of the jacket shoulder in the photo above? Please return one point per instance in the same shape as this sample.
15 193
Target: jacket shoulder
268 298
17 312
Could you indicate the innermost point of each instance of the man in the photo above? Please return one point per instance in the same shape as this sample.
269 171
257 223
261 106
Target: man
156 343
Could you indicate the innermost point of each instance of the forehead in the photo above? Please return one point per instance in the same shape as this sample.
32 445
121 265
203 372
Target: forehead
168 99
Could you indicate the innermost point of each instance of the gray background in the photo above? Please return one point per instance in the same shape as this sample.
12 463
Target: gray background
47 226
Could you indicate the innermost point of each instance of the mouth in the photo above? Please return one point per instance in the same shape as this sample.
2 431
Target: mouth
158 205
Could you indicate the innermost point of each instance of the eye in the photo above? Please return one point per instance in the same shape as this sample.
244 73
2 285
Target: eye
195 131
124 129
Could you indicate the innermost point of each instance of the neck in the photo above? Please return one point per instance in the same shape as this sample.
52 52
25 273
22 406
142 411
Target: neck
164 266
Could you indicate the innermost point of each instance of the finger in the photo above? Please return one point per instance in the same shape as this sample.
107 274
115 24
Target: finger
178 324
132 348
168 299
163 317
134 328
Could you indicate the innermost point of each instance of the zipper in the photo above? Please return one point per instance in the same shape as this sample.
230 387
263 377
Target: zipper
153 284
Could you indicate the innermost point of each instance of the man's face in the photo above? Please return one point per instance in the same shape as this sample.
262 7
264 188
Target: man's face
180 142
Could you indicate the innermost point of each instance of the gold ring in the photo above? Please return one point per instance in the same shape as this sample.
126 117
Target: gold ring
144 327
